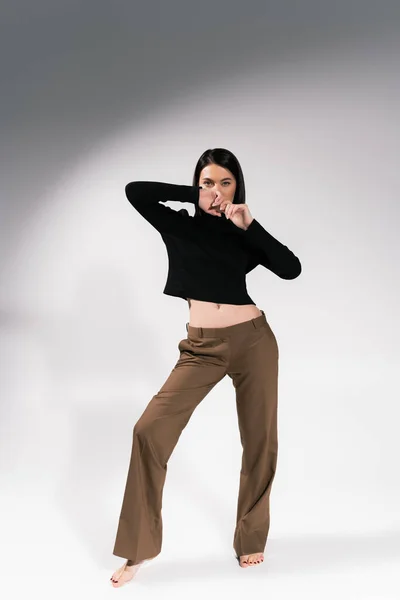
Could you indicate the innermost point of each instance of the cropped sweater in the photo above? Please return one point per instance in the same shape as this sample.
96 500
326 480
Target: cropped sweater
208 256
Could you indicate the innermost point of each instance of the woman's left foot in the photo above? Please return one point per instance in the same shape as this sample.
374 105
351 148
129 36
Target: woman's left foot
247 560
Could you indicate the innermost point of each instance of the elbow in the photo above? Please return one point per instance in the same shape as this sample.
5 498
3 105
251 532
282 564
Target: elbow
132 192
293 271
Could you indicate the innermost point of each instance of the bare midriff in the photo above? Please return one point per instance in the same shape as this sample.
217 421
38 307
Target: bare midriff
210 314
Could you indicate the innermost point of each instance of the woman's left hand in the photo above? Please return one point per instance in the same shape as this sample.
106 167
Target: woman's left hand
239 214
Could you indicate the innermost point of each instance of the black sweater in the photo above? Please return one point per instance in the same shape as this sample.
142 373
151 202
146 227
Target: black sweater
209 256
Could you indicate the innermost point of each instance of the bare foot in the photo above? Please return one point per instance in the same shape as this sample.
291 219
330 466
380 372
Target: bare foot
124 574
251 559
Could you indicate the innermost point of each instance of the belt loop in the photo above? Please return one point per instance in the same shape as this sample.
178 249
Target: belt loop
187 329
254 325
201 331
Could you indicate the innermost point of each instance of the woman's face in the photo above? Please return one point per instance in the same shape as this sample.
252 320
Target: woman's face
220 180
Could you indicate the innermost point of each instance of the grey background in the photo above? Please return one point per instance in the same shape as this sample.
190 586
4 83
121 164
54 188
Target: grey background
96 94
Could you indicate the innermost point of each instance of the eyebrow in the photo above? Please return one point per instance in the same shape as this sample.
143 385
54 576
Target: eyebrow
224 179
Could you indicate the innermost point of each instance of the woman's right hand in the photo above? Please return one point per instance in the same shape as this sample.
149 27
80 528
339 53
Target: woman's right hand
206 199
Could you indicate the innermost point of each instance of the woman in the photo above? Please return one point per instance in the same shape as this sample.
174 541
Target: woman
209 257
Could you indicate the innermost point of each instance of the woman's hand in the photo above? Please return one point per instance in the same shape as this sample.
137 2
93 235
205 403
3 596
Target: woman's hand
239 214
206 200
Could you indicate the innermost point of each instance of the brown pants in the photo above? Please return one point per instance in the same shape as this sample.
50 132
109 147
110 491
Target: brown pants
248 353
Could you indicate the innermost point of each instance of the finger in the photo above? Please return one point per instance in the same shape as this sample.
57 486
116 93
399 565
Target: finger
219 205
228 210
219 199
234 209
215 213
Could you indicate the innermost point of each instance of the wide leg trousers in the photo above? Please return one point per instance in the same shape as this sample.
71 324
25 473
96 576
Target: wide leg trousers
248 353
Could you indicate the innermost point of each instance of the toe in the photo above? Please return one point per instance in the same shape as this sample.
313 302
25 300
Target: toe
116 576
255 559
244 560
118 581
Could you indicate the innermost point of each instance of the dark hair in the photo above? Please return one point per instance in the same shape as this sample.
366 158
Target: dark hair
223 158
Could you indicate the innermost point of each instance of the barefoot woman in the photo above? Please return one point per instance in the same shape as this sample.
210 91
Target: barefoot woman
209 254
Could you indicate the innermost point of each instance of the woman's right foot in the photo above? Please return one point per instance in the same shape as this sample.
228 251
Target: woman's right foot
124 574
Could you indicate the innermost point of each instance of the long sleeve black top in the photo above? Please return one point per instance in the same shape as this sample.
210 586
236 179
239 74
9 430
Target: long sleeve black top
209 256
